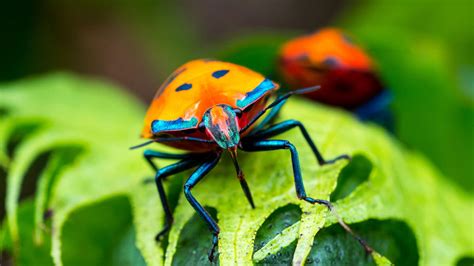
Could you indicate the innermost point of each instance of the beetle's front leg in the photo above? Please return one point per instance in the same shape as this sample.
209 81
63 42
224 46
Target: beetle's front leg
197 176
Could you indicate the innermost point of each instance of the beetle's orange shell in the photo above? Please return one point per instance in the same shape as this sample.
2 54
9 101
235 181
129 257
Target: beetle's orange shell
327 42
172 103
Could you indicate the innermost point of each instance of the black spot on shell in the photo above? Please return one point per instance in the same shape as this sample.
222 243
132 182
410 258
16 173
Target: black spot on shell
184 87
220 73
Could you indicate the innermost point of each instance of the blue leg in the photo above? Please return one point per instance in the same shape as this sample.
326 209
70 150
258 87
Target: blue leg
269 145
287 125
161 174
197 176
269 118
150 154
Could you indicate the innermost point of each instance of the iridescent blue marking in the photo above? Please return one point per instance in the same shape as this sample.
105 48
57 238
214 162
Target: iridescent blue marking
158 126
264 87
184 87
220 73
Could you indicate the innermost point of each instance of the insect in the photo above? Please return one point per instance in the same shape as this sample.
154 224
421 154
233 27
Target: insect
210 107
345 72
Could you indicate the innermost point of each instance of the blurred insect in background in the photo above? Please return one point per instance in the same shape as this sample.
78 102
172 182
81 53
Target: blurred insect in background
347 75
207 107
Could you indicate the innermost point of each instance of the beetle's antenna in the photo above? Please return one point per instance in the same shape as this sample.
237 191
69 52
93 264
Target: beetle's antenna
241 177
142 145
177 139
279 100
288 94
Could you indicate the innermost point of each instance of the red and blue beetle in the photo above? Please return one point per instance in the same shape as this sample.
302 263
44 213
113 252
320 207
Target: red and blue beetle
207 107
347 75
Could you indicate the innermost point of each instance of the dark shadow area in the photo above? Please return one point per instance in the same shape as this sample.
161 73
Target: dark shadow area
195 242
280 219
21 32
393 239
19 134
465 261
351 176
283 257
54 162
105 233
61 158
6 258
30 180
3 112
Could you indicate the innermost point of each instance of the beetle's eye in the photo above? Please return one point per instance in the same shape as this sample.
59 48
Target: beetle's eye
238 112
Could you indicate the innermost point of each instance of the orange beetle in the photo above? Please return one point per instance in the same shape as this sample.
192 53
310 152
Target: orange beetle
206 107
329 58
183 99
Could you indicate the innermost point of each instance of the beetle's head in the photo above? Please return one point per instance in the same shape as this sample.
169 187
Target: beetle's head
222 126
221 123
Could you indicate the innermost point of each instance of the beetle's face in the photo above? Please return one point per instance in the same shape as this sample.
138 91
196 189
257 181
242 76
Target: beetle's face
222 126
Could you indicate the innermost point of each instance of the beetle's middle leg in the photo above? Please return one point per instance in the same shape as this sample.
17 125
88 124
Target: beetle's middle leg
161 174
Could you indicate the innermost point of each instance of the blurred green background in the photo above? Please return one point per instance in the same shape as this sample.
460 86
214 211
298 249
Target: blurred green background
424 49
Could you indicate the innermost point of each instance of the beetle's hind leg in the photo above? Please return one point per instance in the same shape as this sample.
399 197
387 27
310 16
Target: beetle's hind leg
267 145
287 125
195 177
161 174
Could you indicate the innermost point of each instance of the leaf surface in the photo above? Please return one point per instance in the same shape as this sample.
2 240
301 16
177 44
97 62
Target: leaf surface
104 122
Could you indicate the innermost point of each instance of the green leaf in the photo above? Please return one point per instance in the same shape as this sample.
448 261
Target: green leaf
104 122
31 253
110 221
